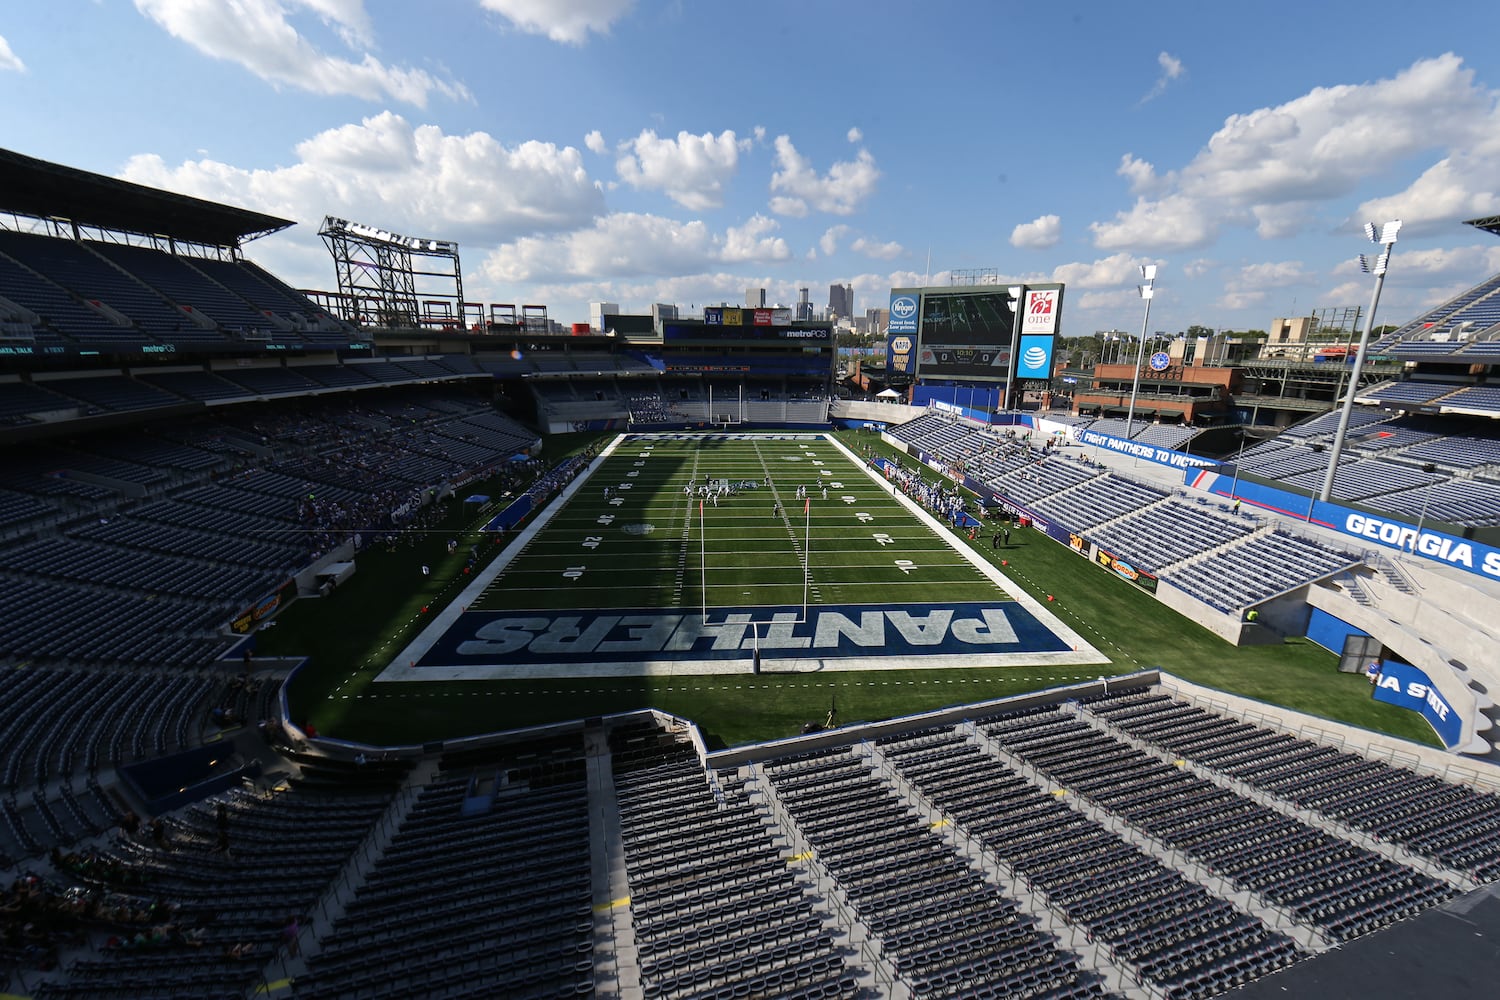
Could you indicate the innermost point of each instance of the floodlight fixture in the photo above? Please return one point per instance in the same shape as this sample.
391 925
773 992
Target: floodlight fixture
1386 237
1147 291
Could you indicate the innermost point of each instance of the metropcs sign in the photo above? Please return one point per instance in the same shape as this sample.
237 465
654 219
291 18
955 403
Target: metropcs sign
1454 551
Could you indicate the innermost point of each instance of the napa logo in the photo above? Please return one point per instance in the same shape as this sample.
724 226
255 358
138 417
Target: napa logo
901 345
1035 357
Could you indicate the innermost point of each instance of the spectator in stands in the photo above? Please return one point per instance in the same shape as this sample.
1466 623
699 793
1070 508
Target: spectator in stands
291 936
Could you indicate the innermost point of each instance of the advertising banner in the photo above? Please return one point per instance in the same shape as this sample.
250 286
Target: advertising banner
1121 568
732 317
1036 358
898 352
762 317
903 318
1409 687
713 316
1041 311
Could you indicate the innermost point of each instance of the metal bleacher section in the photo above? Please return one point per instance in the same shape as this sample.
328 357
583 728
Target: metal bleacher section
1226 560
90 294
1107 839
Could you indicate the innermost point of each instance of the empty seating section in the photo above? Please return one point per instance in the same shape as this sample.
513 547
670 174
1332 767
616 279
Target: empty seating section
286 849
1361 479
19 400
493 904
113 393
1454 825
1386 437
1286 462
59 621
715 907
1332 884
1471 502
51 725
65 317
1408 392
1328 423
1457 451
1104 498
1167 435
1170 931
186 286
945 930
1256 569
1165 533
1479 397
1044 477
270 381
154 575
200 385
1444 316
258 288
76 267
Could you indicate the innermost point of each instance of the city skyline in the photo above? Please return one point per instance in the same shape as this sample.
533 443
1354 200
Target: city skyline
641 152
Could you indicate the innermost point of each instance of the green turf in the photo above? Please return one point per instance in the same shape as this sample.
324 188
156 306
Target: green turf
350 636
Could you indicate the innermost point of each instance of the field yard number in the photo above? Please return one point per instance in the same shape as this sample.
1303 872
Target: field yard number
573 572
628 475
904 565
605 519
883 538
592 541
616 501
626 486
639 464
848 499
837 486
864 518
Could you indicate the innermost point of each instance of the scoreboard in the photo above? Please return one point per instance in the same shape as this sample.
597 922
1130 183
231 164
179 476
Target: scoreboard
964 332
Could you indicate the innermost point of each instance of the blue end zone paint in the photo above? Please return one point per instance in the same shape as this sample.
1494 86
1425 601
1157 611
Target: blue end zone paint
619 638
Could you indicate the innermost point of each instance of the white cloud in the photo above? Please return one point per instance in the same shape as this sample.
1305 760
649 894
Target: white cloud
595 142
1108 272
1467 265
839 192
414 179
1254 284
1459 186
1171 69
632 245
1175 222
829 241
1313 149
258 35
567 21
1037 234
876 249
8 59
751 242
1198 267
855 135
1142 175
690 169
760 133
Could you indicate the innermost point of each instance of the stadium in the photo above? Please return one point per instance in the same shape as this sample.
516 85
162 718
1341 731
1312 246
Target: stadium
377 642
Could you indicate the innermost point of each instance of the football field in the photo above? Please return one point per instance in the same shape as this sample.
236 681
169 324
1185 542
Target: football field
685 554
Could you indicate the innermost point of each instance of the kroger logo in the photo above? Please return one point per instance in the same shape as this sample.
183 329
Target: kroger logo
903 307
1034 357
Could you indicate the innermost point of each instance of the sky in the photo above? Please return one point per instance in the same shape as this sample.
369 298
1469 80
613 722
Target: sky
641 151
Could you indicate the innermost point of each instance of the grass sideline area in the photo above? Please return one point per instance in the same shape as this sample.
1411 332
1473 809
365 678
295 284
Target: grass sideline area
351 635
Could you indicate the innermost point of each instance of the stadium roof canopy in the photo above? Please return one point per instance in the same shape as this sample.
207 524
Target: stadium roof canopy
35 187
1490 224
